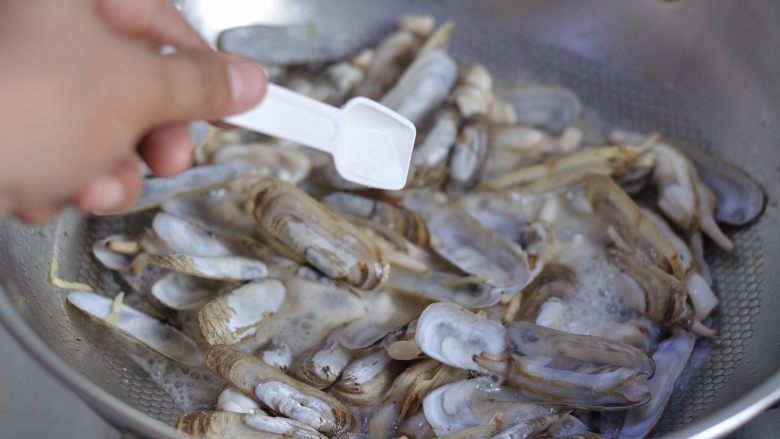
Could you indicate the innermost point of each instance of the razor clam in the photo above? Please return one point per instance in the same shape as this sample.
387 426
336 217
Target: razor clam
218 209
385 311
235 316
699 288
446 287
310 312
544 365
394 54
299 43
615 207
184 292
183 236
741 199
462 405
429 158
555 281
322 366
559 368
279 392
282 162
277 354
507 214
664 294
521 145
345 76
365 380
302 227
212 267
550 107
686 257
407 223
670 360
423 87
463 241
682 197
406 394
200 179
232 400
469 155
136 325
219 425
609 160
454 336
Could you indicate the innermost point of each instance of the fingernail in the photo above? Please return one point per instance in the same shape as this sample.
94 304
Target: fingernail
111 197
247 82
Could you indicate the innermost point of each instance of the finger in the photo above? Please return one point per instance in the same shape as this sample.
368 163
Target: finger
203 85
37 215
113 192
155 20
168 151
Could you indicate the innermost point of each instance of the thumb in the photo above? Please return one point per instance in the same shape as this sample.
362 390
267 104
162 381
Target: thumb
206 85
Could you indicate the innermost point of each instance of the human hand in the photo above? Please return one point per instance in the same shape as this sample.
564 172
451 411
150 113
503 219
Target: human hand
85 90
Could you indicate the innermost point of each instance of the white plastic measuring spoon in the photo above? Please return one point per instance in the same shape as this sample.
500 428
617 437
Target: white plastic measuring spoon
371 144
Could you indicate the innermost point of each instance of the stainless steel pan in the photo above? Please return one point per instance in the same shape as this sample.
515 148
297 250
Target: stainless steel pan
706 71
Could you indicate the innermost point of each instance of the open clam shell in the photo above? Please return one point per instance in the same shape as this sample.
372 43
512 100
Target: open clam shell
132 323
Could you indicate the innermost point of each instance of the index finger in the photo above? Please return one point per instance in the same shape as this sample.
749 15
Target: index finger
155 20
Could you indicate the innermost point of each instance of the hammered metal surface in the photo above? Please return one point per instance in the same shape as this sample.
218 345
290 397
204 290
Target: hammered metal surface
720 368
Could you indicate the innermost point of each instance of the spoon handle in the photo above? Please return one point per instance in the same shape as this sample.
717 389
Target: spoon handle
289 115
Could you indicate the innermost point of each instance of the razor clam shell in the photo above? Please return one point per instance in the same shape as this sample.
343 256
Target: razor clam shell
322 366
615 207
550 107
415 382
741 199
277 354
670 359
567 170
469 155
299 43
463 241
220 425
132 323
184 292
528 339
200 179
365 380
570 382
213 267
183 236
282 162
218 209
385 311
433 285
231 400
429 158
235 316
311 311
394 54
462 405
279 392
454 336
423 87
664 295
407 223
308 230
